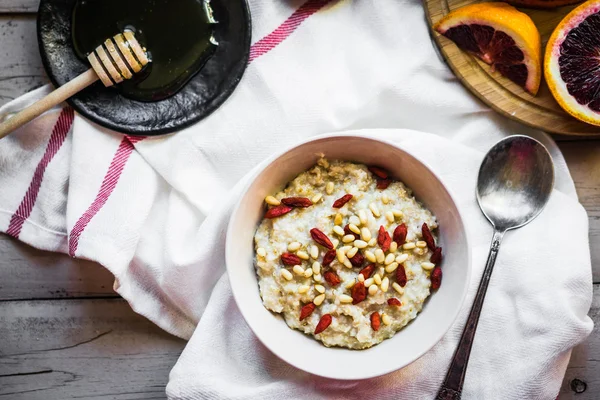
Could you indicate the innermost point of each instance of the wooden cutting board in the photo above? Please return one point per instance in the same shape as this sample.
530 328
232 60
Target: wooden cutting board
504 96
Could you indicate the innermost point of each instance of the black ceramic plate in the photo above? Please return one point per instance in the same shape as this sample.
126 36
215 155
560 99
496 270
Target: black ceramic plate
203 94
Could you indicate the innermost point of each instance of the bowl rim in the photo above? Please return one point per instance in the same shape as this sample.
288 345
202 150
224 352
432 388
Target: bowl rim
343 135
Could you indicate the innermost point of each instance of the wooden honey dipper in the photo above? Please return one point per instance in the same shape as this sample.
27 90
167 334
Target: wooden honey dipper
115 60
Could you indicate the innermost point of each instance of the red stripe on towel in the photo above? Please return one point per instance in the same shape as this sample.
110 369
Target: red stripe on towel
57 138
125 149
284 30
108 185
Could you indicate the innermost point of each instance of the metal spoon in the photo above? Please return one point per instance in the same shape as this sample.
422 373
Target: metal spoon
514 185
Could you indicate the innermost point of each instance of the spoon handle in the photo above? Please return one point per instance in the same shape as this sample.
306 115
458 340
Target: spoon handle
453 383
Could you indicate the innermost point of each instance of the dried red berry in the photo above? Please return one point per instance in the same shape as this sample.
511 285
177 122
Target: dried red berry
401 275
328 258
357 260
277 211
339 203
436 257
323 324
290 259
307 310
367 271
400 234
375 321
359 292
321 238
394 302
383 239
297 202
436 278
379 172
428 237
383 183
332 278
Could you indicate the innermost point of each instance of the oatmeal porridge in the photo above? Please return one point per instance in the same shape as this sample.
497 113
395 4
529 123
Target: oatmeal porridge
346 254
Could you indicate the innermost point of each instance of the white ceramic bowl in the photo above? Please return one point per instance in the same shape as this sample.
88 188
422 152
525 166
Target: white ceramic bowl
304 352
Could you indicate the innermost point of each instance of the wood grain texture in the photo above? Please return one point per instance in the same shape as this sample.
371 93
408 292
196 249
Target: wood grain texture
27 273
84 349
19 6
504 96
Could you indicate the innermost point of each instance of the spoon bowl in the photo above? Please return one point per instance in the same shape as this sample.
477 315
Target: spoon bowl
515 181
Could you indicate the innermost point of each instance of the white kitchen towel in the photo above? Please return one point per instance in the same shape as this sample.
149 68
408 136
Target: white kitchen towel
154 211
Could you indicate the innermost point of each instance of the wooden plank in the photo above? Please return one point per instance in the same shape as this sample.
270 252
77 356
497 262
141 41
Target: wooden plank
585 361
85 349
27 273
20 63
583 159
19 6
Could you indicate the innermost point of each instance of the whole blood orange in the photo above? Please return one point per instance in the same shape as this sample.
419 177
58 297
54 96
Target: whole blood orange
572 62
501 36
542 3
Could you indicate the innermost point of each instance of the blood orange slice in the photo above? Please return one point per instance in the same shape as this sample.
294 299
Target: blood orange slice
501 36
572 62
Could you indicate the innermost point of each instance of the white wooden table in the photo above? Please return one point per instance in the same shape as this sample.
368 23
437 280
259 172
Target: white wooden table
64 333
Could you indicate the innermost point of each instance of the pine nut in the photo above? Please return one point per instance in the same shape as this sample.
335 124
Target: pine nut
352 252
338 230
418 251
391 268
427 266
346 248
303 289
338 219
347 263
398 288
354 220
329 188
286 274
361 278
316 198
303 255
369 282
401 258
393 247
350 284
261 252
390 216
360 244
381 271
316 267
354 228
409 246
348 239
385 198
362 215
341 256
308 272
294 246
385 284
397 213
317 301
320 288
344 298
380 256
389 259
421 244
373 289
335 243
365 234
377 279
374 210
298 270
369 256
272 201
373 242
314 252
317 277
386 319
